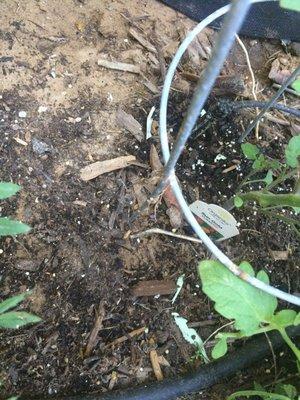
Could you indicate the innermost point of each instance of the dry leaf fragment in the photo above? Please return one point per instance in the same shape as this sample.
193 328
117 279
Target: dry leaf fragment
101 167
119 66
139 38
128 122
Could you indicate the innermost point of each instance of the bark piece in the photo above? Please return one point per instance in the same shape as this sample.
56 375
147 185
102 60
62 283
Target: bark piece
156 365
101 167
119 66
154 287
128 122
139 38
279 254
93 338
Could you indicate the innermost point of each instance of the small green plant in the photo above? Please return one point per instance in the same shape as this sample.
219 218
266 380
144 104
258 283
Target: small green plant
252 310
281 392
265 199
15 319
9 226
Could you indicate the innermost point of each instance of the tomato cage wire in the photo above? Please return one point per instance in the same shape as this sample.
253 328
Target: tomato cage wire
236 12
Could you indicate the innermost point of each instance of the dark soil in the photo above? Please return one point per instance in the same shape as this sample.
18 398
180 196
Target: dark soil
79 253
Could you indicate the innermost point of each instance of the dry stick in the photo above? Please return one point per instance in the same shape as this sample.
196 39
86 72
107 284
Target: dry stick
93 338
241 43
130 335
168 233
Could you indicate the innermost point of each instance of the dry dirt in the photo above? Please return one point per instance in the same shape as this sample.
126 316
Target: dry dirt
78 252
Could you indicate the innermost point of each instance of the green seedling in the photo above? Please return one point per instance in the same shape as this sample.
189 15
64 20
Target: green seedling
267 201
252 310
15 319
9 226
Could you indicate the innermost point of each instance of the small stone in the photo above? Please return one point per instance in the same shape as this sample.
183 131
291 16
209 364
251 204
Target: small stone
42 109
40 147
22 114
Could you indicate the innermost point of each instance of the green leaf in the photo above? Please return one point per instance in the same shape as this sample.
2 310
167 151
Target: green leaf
290 4
8 189
288 390
220 349
250 151
16 319
269 177
292 152
296 85
12 302
12 227
297 320
236 299
284 318
13 398
263 276
247 267
238 202
260 163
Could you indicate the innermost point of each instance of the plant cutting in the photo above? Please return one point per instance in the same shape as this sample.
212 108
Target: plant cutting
263 170
252 310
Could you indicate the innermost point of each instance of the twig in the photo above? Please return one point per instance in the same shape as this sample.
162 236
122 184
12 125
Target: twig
93 338
241 43
119 66
163 232
130 335
270 103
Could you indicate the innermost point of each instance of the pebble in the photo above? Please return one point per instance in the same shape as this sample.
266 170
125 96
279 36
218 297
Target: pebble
40 147
42 109
22 114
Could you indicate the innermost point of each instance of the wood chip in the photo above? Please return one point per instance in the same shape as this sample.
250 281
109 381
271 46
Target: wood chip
119 66
151 86
130 335
93 338
80 203
139 38
278 255
154 287
20 141
128 122
155 365
229 169
174 213
101 167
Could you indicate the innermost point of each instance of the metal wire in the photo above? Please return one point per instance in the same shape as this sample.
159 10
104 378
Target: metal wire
172 179
270 103
236 105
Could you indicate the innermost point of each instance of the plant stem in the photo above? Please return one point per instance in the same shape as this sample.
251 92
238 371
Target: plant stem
261 393
281 178
270 199
290 343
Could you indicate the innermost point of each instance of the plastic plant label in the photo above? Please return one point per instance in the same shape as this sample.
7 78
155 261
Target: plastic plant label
216 222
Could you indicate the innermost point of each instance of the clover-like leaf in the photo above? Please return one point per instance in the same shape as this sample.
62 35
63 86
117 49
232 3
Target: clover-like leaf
296 85
250 151
8 189
238 201
220 349
12 227
236 299
292 152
